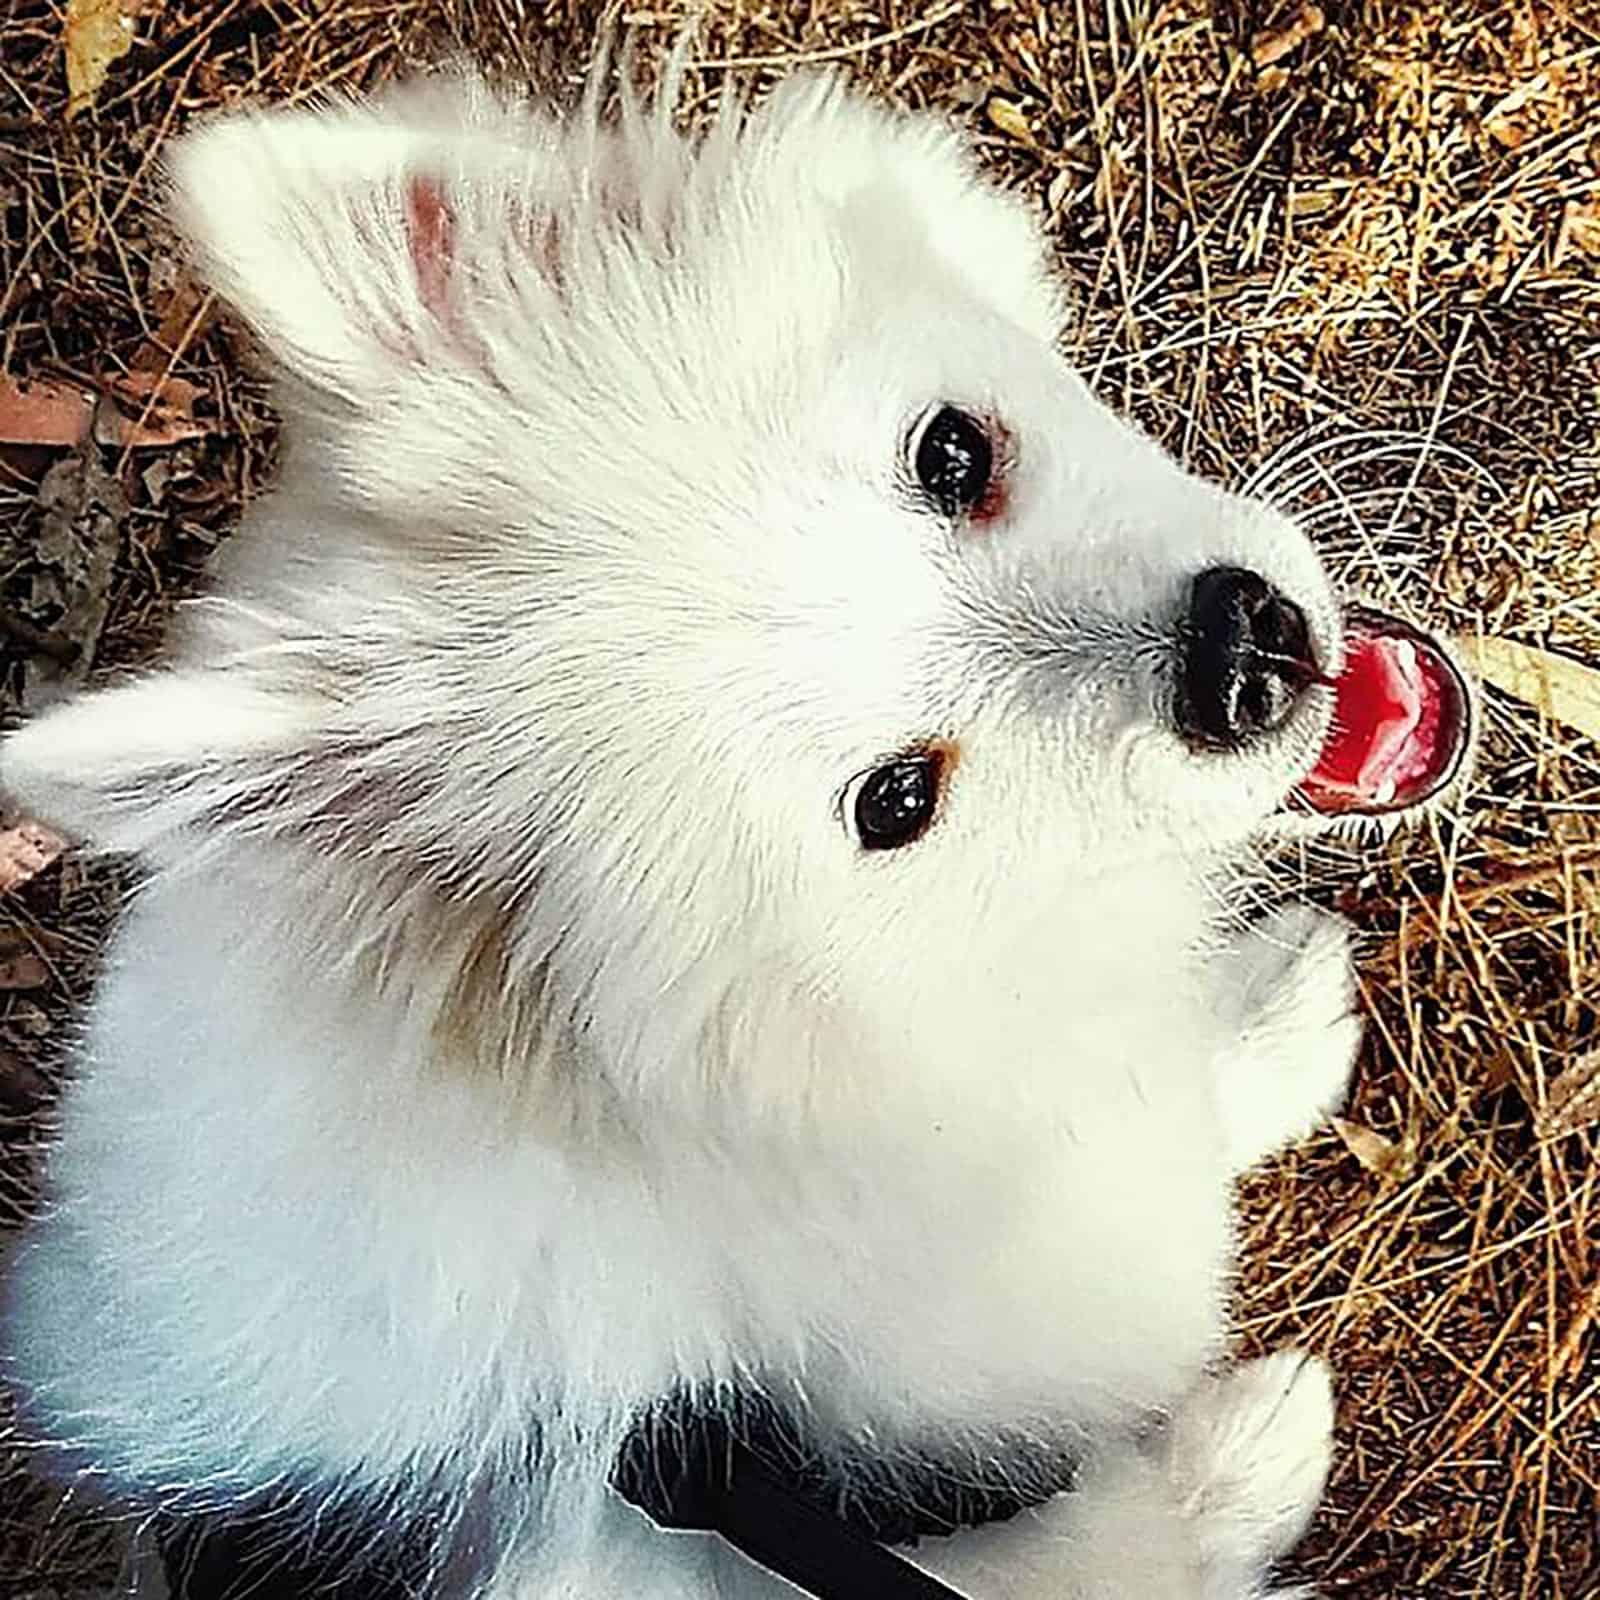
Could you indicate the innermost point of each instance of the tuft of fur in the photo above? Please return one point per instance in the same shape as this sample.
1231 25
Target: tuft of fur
510 1031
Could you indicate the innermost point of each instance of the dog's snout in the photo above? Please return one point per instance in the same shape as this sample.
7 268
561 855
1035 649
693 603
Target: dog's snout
1245 659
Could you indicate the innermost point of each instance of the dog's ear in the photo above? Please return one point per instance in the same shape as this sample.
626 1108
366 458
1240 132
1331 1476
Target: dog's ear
337 231
142 765
401 261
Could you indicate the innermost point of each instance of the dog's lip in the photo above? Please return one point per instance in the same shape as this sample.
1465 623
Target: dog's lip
1400 725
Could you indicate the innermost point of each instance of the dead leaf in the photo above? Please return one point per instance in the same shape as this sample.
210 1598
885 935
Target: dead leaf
24 970
28 1021
44 412
1561 686
155 478
1380 1155
1272 45
96 34
22 1085
146 411
967 94
1007 116
80 533
189 310
1572 1101
139 408
26 849
1512 135
1580 230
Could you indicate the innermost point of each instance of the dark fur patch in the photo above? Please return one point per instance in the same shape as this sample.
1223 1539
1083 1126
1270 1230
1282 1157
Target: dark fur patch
895 1497
299 1549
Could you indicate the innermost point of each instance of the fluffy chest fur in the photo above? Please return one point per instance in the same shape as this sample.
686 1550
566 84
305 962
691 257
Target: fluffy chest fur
387 1263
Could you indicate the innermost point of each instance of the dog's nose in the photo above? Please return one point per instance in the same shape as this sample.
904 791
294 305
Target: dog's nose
1245 661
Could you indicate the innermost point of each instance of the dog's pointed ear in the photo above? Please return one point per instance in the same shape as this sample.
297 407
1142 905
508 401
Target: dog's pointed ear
333 230
144 765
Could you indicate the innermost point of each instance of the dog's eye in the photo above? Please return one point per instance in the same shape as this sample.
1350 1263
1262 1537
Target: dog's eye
954 461
895 803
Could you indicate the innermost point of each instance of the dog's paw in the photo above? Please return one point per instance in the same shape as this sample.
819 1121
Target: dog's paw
1248 1457
1299 1032
1298 954
1199 1511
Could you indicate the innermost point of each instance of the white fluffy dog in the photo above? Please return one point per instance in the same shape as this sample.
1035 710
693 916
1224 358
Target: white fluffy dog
687 868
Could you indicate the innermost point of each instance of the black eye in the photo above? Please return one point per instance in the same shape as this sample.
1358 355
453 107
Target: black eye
895 803
954 461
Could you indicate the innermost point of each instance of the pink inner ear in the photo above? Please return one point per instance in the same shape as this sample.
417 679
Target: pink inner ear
430 229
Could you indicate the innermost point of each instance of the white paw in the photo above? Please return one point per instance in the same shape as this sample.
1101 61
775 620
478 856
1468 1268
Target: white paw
1299 955
1248 1455
1314 1072
1299 1033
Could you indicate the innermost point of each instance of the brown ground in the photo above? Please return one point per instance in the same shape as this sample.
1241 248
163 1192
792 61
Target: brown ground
1377 240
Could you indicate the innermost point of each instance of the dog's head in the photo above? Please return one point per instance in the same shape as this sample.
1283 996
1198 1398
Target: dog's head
701 551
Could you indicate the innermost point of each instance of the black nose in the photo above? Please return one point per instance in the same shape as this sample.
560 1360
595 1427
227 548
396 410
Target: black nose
1246 659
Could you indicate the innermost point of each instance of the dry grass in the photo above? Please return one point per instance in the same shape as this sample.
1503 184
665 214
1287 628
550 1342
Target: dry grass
1370 258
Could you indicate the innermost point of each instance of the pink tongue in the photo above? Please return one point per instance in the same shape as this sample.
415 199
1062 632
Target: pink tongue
1385 725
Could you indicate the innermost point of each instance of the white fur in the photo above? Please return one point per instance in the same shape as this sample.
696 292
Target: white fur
510 1027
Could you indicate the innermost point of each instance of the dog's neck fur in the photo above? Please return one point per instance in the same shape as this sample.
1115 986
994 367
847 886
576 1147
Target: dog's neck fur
681 1180
471 991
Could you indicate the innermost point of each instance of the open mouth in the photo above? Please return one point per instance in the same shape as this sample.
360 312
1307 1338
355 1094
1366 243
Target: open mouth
1402 722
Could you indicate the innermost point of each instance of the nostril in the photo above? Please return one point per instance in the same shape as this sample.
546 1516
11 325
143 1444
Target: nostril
1246 659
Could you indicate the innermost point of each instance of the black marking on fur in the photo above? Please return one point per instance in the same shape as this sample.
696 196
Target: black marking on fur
683 1453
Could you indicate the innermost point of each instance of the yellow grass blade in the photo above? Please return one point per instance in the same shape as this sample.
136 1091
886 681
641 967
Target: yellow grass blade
1561 686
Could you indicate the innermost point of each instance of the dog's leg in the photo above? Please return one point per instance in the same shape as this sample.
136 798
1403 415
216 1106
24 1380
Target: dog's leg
1200 1513
1291 980
1250 1455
